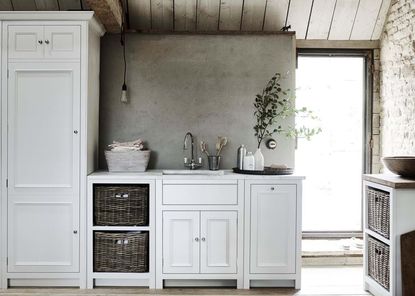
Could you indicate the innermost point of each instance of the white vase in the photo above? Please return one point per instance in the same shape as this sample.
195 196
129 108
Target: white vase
259 160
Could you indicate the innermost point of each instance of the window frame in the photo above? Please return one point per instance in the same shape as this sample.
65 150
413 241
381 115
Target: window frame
367 54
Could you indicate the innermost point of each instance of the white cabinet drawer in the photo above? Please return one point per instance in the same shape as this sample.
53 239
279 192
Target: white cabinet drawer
200 194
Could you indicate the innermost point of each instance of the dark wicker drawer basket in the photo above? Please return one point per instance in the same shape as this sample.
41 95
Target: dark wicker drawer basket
378 261
120 251
125 205
378 207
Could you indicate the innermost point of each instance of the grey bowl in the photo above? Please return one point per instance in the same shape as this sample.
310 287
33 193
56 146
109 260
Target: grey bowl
401 165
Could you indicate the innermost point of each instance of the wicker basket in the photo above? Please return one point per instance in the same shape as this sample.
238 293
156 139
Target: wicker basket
378 261
378 211
125 205
127 161
121 252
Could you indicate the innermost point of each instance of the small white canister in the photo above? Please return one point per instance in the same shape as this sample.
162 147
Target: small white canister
249 162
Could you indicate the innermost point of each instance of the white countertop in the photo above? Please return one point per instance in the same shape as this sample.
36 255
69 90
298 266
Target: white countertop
158 174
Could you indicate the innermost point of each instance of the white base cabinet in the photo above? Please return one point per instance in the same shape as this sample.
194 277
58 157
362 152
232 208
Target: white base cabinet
244 228
200 238
272 232
49 104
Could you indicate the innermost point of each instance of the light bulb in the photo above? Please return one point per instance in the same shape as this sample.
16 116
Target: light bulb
124 98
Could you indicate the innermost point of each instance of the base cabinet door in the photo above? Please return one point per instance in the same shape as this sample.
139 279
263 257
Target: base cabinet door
181 241
218 246
272 228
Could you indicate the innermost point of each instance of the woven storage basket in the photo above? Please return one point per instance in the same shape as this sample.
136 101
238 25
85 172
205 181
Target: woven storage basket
378 261
378 211
121 252
127 161
125 205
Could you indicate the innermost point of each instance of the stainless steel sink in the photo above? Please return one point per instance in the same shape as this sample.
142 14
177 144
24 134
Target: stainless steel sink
193 172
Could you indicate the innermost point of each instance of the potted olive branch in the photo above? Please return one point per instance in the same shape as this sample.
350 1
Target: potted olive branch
272 106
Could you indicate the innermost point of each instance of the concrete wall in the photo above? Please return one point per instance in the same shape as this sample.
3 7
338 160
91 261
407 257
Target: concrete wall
397 80
203 84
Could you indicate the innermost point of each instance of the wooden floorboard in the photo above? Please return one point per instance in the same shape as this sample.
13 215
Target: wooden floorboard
334 281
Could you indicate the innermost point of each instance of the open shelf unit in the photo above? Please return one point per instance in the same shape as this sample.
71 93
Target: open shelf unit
137 279
391 212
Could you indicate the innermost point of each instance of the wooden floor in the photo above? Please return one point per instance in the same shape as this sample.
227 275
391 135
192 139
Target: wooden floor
316 281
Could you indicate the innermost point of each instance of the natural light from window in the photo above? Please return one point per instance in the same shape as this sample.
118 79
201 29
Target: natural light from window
333 87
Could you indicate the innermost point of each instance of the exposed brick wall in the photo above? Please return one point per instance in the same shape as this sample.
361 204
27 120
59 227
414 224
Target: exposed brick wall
397 80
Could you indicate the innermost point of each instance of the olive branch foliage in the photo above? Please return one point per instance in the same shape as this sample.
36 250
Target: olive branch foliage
275 104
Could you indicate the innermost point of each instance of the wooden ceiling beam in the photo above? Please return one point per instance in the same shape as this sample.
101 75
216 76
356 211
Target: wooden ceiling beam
109 13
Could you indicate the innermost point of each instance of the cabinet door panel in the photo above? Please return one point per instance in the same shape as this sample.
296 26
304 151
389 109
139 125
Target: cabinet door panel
41 237
43 167
273 228
181 242
218 242
24 42
44 104
62 42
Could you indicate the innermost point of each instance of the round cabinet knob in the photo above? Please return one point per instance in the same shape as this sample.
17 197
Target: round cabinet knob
75 132
47 41
203 239
272 188
40 41
75 231
196 239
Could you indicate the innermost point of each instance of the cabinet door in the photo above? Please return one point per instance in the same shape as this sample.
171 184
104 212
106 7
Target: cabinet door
43 167
25 42
181 242
273 228
218 249
62 42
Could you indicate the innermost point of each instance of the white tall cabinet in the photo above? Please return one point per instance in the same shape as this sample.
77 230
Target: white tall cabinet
50 81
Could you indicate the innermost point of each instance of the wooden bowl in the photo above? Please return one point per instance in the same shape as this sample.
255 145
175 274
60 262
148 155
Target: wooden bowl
400 165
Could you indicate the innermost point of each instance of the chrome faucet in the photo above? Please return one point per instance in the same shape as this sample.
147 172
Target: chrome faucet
192 164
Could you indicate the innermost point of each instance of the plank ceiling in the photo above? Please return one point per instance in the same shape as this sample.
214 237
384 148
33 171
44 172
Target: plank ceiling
311 19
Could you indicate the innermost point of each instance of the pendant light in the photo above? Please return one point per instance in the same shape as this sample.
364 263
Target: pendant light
124 97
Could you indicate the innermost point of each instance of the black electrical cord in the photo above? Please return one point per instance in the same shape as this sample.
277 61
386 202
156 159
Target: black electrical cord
124 86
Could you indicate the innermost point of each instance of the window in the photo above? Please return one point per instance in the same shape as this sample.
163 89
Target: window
334 87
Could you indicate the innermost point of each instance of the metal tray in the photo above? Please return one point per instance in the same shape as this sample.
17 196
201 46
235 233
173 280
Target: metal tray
266 171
